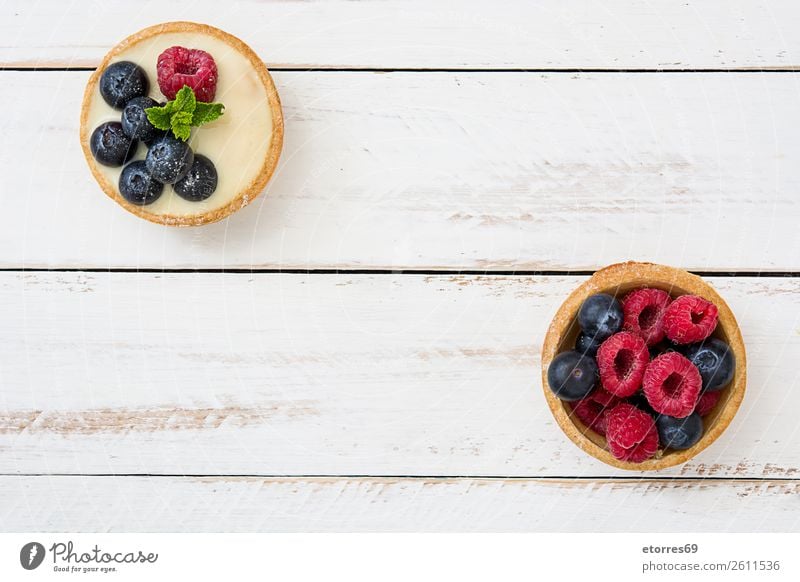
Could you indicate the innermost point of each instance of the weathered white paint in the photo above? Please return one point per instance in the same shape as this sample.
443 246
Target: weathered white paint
237 504
579 34
214 374
332 374
447 170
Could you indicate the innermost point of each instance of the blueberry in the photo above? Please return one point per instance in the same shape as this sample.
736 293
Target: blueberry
121 82
200 182
663 347
639 400
716 363
169 159
110 146
135 122
137 186
572 376
600 316
679 433
587 344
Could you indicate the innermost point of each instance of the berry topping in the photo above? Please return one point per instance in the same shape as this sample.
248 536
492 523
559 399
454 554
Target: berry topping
169 159
121 82
707 401
644 313
679 433
200 182
672 385
715 361
631 433
135 122
622 360
572 376
640 401
663 347
604 397
592 414
587 344
110 146
600 316
137 186
179 66
591 410
690 319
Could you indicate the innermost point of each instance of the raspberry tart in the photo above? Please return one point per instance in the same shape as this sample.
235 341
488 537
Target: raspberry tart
644 366
181 124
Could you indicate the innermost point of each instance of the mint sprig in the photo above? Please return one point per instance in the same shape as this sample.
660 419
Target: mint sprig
183 113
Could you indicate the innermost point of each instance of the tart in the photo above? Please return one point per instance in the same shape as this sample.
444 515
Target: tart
240 149
716 405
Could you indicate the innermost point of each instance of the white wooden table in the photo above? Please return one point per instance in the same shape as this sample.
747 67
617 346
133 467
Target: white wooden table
359 349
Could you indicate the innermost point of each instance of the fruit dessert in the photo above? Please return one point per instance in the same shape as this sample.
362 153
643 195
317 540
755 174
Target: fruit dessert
644 365
181 124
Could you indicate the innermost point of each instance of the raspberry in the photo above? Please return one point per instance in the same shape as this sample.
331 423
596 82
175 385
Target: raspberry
631 433
603 397
644 313
672 385
178 66
690 319
591 411
621 360
707 402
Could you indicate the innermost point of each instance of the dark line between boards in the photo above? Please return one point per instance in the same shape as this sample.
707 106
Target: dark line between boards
793 69
693 478
427 272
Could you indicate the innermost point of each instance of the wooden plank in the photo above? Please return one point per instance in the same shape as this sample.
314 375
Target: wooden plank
241 504
547 34
477 171
330 374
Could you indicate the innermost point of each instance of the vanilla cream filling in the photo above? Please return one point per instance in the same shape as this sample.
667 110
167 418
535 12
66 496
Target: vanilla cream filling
237 142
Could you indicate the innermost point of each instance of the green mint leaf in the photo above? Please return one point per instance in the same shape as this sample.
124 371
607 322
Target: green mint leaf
183 112
182 132
206 113
159 116
185 100
181 123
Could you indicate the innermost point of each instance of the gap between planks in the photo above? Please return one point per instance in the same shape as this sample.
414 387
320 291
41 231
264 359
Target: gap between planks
389 477
567 71
379 271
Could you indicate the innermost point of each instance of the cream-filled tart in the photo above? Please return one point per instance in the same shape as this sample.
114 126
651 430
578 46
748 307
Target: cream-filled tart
181 124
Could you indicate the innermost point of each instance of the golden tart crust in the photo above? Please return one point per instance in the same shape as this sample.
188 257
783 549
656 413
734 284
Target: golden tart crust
247 193
617 280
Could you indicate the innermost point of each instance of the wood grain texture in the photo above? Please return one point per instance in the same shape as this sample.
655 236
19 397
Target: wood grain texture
427 378
484 171
165 504
331 374
578 34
